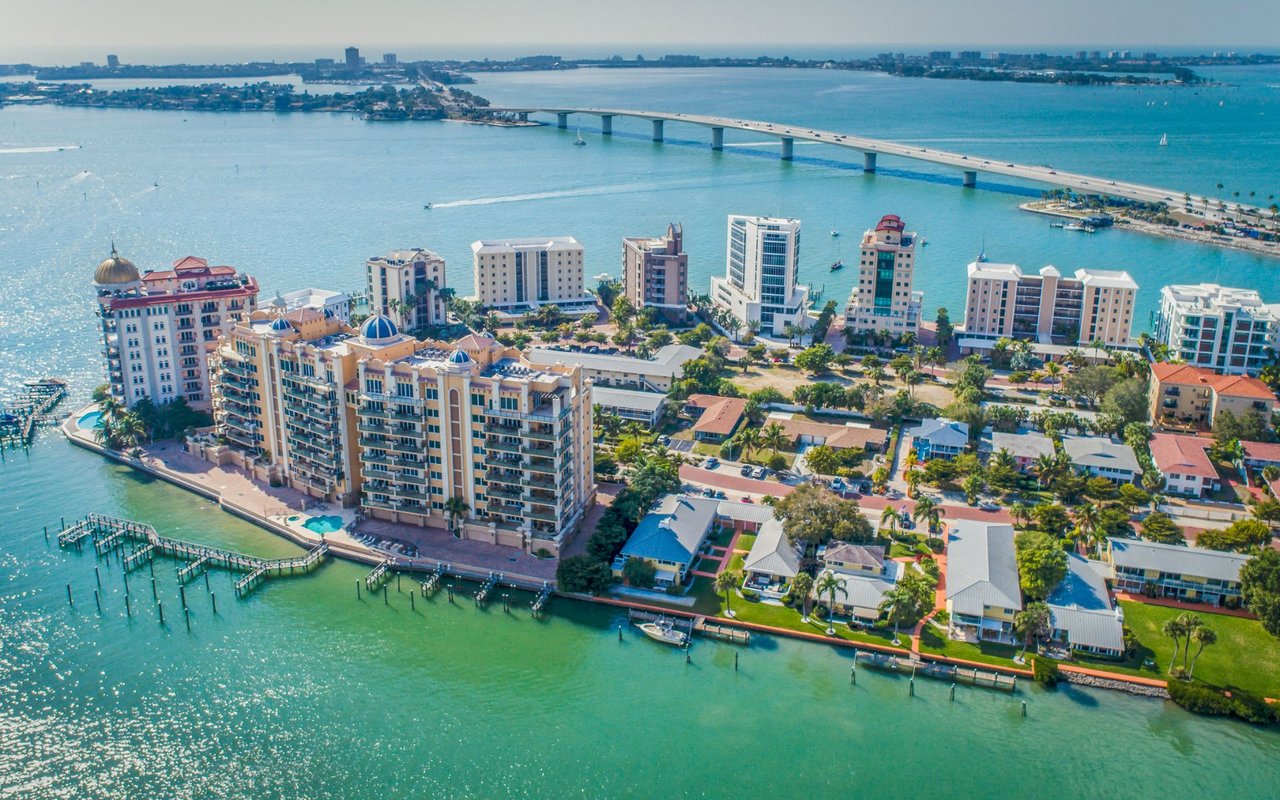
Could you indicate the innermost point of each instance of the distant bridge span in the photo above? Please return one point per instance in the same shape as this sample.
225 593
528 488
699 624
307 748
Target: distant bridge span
969 165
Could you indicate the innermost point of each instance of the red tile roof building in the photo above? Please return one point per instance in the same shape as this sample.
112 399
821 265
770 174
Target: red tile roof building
1187 396
1186 467
719 416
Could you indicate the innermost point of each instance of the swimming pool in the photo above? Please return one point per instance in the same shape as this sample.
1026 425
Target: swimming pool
91 420
326 524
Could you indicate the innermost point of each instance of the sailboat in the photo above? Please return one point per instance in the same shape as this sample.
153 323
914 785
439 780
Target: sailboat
1164 140
579 142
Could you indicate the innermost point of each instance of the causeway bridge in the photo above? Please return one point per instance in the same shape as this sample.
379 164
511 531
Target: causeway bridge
968 165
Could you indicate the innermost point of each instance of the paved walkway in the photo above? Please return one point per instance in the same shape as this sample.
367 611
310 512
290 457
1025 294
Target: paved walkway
1201 608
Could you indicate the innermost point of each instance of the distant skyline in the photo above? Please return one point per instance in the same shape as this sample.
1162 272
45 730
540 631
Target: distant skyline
148 31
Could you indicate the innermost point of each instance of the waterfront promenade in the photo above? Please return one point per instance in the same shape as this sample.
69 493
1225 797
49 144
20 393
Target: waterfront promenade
969 165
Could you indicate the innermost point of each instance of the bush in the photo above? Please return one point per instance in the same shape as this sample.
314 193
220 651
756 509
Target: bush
749 594
777 462
542 552
1252 708
639 573
935 544
1199 699
1045 671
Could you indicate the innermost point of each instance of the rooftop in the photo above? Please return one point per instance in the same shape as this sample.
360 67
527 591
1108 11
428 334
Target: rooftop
859 554
1100 453
667 362
943 431
1183 455
1081 606
674 530
981 567
1261 451
1214 298
490 246
1106 278
848 436
1022 445
772 553
1176 559
720 415
1224 385
627 398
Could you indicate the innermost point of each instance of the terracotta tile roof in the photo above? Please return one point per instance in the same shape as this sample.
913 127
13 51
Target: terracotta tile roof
474 341
1262 451
1225 385
720 415
1184 455
839 437
1242 386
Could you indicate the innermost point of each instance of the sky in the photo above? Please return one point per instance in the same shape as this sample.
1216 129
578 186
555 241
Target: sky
148 31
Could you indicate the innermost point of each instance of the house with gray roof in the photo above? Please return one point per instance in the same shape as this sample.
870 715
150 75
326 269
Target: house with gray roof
939 438
865 575
772 562
1102 458
1025 446
1083 617
1168 570
983 593
630 404
670 536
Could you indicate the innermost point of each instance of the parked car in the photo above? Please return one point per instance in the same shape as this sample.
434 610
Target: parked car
762 472
745 471
989 506
711 463
664 439
746 499
720 495
708 492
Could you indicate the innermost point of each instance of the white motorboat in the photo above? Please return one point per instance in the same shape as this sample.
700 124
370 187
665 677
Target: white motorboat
664 631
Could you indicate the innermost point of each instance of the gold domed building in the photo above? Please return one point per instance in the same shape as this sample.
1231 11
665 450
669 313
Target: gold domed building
116 270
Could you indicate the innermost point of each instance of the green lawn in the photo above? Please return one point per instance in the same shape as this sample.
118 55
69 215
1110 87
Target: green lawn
735 563
935 641
745 541
1245 655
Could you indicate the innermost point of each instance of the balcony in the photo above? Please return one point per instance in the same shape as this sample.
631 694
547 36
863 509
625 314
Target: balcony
504 447
497 476
371 427
544 516
542 435
541 466
505 492
540 483
503 430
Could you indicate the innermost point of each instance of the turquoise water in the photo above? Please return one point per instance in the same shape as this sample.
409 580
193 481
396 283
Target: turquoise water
325 524
304 691
91 420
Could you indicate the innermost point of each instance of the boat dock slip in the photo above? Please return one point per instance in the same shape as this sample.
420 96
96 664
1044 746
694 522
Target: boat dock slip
33 406
381 573
110 533
935 669
544 597
724 633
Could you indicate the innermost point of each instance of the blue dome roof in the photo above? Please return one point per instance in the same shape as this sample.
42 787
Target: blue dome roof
459 357
328 313
378 327
281 324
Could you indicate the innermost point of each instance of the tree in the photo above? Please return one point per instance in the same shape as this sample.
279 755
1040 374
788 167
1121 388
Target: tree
749 438
928 510
945 331
1033 622
774 437
1160 527
1042 563
1241 536
802 586
1175 628
1090 382
1260 588
639 572
629 450
455 507
726 582
813 514
889 518
583 574
1020 513
815 358
1202 636
1190 623
1088 524
1127 400
829 584
1050 518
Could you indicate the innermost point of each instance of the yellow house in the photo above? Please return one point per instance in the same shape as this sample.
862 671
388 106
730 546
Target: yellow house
983 594
1184 573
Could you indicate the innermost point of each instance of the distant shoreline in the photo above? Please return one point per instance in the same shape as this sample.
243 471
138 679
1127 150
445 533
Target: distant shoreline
1167 231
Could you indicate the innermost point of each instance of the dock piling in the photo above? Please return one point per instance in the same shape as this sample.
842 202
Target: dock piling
186 613
128 607
182 593
97 577
735 661
413 605
357 590
397 581
213 598
154 596
953 692
70 602
160 608
385 600
97 600
1024 708
46 534
911 687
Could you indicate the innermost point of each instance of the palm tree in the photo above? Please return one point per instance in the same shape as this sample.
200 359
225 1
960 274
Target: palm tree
130 428
898 605
1175 630
1203 636
455 507
802 585
927 509
829 584
749 438
1190 624
1087 520
889 517
1020 512
725 583
1053 370
1032 622
1046 467
773 437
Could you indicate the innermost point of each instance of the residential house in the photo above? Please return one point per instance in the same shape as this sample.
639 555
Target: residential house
633 406
772 562
983 593
718 417
939 438
1185 395
1260 455
1186 467
670 536
864 574
850 436
1102 458
1183 573
1082 614
1025 447
743 517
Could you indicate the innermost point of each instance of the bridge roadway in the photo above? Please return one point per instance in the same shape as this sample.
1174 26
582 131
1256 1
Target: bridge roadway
969 165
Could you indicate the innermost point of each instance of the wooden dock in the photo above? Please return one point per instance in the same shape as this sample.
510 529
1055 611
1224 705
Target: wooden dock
109 534
937 669
33 406
725 633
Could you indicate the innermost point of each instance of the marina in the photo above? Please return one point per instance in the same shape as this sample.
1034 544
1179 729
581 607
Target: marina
33 406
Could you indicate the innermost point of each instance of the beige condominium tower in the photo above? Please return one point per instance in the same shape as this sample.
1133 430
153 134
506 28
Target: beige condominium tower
1093 305
655 273
515 276
882 298
408 286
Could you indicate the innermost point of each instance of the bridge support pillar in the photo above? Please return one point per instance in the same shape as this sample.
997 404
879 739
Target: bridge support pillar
562 119
868 162
717 138
788 148
657 130
970 178
606 124
523 116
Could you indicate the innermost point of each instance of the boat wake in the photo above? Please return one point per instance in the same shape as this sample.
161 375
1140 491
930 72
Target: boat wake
585 191
58 148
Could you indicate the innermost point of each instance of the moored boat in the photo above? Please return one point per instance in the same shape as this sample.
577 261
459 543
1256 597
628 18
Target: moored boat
664 631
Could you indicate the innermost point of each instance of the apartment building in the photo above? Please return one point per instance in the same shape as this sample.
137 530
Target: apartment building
1182 395
655 273
1093 305
407 286
883 299
158 328
1229 330
326 301
514 276
399 426
653 374
759 286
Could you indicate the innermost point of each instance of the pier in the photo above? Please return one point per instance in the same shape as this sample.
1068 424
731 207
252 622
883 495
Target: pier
109 535
968 165
33 406
935 669
691 625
